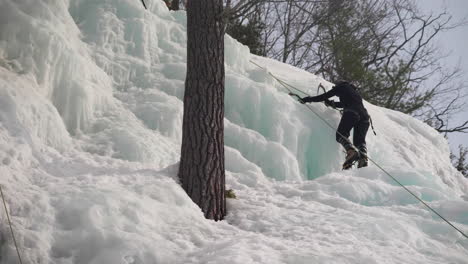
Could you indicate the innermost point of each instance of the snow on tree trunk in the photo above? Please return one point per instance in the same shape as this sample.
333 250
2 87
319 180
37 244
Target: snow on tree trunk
202 157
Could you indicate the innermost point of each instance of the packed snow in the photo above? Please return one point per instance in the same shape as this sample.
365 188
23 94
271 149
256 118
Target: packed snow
90 132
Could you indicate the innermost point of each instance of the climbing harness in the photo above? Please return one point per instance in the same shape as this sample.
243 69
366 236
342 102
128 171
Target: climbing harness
289 88
11 226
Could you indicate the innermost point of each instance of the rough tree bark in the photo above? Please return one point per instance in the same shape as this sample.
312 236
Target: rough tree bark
201 168
175 5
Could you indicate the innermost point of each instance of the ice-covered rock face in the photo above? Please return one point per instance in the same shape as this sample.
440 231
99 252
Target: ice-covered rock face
108 64
88 61
91 111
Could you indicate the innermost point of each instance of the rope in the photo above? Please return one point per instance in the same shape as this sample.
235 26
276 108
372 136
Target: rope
372 125
11 226
143 2
360 152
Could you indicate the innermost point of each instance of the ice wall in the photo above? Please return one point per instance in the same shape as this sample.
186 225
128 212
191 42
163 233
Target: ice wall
51 45
104 65
91 113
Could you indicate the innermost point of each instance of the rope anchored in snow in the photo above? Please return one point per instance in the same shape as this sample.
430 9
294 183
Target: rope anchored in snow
290 89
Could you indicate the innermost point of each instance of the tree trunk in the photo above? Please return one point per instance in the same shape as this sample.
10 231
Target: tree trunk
201 168
175 5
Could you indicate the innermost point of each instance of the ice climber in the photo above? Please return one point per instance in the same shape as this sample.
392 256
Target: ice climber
354 116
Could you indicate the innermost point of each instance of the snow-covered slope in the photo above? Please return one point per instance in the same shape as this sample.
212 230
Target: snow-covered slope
90 130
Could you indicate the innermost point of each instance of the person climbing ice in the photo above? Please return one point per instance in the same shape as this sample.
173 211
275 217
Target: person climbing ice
354 116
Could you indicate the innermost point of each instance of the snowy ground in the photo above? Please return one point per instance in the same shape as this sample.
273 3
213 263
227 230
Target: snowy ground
90 123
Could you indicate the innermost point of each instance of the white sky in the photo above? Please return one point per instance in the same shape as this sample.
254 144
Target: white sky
455 42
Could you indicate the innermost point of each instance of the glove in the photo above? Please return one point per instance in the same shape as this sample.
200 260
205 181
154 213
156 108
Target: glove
299 99
330 103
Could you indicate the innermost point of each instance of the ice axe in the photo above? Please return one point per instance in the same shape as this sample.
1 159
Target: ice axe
320 86
297 97
328 103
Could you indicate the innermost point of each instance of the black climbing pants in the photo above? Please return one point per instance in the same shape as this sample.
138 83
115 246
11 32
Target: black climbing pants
357 120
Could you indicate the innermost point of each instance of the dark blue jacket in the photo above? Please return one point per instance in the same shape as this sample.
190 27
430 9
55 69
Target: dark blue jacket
350 99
